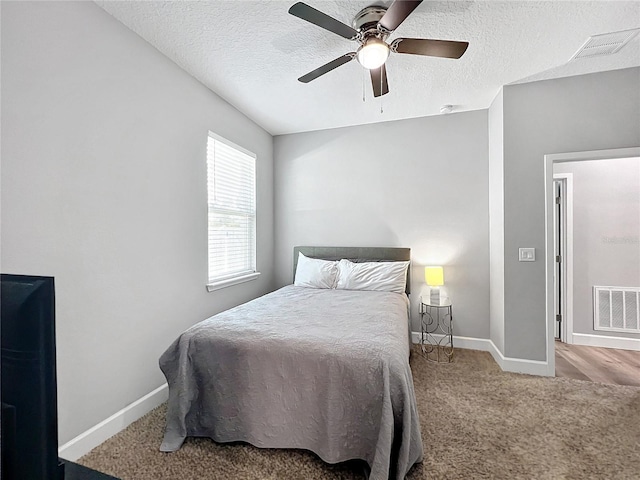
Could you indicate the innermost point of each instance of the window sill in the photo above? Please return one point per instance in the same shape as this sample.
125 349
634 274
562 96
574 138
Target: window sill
232 281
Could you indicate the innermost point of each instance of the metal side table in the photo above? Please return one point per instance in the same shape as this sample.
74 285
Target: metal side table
436 326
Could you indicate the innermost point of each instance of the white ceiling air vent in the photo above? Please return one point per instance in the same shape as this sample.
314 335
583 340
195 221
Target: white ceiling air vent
605 44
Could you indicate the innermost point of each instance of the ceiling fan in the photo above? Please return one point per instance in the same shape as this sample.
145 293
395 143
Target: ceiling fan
371 28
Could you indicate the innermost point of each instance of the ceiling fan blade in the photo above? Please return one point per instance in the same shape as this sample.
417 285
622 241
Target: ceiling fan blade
327 67
311 15
397 13
379 81
431 48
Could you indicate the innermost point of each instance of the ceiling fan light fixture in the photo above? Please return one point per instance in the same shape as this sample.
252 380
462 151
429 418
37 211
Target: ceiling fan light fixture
373 53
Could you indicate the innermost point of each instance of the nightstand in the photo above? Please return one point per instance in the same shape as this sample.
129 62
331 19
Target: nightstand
436 330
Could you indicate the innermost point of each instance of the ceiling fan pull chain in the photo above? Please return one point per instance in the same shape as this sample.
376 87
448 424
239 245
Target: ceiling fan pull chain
363 75
381 96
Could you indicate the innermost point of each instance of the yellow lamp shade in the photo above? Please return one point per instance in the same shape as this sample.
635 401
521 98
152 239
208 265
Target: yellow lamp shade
434 276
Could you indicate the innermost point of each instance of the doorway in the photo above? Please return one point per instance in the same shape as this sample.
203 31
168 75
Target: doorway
560 319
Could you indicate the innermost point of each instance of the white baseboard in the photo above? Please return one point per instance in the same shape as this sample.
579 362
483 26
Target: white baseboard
468 343
521 365
87 441
605 341
508 364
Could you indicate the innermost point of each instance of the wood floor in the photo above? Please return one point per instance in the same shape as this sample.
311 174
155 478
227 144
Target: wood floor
596 364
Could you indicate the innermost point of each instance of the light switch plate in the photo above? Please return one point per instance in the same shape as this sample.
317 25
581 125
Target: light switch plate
527 254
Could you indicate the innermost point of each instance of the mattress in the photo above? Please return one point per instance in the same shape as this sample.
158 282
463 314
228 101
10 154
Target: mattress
322 370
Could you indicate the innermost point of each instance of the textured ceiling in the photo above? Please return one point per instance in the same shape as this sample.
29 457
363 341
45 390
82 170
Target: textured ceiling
252 52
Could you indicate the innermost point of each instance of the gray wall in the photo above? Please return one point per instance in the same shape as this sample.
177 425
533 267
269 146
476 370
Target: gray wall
606 232
419 183
588 112
496 222
104 188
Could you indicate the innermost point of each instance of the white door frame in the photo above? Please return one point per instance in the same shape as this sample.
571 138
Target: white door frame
549 160
567 260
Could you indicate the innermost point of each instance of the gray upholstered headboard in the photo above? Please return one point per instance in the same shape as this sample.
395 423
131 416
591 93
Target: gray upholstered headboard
357 254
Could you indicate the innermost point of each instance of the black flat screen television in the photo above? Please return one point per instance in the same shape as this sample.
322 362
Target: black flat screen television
29 437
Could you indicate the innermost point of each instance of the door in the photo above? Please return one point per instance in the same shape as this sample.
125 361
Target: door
559 242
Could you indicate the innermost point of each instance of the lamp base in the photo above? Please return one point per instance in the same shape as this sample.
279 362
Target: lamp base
434 296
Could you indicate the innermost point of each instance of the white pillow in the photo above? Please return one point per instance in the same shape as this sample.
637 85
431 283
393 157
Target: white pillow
376 276
315 273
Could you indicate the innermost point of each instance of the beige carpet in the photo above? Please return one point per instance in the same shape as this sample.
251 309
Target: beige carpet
477 422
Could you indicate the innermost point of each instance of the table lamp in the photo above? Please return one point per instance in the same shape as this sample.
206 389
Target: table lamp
434 276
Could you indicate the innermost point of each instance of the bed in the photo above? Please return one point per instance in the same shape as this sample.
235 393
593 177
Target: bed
325 370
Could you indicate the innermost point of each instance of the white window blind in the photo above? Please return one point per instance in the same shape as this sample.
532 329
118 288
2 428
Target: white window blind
231 185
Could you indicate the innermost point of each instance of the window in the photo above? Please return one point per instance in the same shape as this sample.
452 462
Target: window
231 190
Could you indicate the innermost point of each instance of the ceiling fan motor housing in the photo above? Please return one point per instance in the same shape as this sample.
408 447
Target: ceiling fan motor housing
366 21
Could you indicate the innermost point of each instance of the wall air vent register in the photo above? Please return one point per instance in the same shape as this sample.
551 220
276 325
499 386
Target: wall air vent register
616 309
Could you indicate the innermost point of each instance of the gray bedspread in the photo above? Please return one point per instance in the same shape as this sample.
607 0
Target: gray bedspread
322 370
